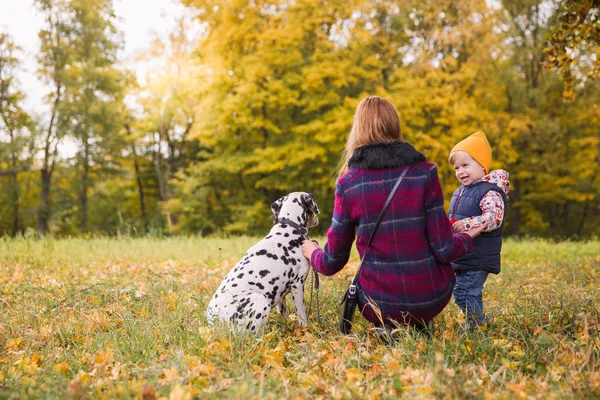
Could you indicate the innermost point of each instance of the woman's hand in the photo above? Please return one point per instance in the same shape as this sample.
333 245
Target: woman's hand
308 247
476 231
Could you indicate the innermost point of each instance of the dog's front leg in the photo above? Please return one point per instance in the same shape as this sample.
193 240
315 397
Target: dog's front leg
298 296
282 308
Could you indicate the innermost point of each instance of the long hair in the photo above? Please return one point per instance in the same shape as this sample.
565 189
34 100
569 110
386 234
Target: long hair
375 121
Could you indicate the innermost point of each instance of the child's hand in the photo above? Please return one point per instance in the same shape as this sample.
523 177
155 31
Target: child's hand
476 231
458 226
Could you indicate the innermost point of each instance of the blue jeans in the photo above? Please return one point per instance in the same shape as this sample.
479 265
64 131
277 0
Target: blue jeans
467 295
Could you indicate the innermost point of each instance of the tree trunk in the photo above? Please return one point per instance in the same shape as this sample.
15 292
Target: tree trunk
15 188
85 184
515 215
44 210
583 218
173 161
162 190
48 168
566 217
160 176
15 204
138 180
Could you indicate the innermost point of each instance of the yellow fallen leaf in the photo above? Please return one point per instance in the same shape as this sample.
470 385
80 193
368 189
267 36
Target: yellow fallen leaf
104 357
375 370
85 379
204 369
18 276
179 393
14 344
62 367
170 374
517 352
31 364
425 389
276 357
353 374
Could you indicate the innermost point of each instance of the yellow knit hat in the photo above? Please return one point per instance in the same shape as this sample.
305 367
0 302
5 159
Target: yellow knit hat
478 147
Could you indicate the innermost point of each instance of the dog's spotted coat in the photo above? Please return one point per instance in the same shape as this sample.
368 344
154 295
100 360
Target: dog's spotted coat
269 270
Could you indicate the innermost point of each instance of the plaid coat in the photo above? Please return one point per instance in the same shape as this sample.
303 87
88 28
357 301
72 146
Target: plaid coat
407 272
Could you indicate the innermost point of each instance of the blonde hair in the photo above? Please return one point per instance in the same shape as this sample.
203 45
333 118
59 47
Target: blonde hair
452 157
456 153
375 121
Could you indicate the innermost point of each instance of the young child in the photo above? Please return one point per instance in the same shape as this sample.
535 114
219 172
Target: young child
480 199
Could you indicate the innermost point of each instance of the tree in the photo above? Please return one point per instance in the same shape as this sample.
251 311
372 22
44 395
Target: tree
550 197
93 92
15 125
54 59
284 84
574 45
170 101
77 57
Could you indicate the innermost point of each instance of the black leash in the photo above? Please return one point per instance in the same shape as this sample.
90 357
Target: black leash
314 287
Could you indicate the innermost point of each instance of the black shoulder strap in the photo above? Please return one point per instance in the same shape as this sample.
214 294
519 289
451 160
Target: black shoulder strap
385 207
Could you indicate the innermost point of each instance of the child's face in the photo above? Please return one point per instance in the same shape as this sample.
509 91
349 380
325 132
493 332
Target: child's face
468 171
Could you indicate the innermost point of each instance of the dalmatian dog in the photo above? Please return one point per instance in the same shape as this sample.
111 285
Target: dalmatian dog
269 270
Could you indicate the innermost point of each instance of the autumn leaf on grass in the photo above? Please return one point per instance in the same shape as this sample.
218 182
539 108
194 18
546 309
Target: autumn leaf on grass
196 368
104 357
375 370
170 374
216 348
393 361
353 375
182 393
518 389
77 386
18 276
62 367
517 352
14 344
275 357
31 364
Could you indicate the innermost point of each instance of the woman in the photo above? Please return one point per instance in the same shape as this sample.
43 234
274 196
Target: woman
406 277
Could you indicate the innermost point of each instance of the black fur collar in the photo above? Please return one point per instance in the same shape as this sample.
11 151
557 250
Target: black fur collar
385 155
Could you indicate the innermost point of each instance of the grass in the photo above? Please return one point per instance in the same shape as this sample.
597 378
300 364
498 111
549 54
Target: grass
125 318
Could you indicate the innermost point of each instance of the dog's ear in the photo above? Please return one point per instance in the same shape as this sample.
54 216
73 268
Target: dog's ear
309 203
276 208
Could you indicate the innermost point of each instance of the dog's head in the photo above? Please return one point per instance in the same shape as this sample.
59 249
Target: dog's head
298 207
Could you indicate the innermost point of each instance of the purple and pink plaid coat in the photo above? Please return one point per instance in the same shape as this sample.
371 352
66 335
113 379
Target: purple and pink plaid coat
407 271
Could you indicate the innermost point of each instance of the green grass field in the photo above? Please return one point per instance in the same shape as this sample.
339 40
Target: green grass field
125 318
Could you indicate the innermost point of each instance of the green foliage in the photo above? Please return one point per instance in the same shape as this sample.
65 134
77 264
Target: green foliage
574 45
246 101
16 127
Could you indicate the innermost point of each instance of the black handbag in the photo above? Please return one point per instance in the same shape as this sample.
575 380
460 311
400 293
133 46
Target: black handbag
350 300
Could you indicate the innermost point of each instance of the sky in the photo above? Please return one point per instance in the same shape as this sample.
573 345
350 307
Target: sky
137 19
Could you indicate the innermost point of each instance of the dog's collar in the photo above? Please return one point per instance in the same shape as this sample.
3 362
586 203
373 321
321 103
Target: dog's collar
303 230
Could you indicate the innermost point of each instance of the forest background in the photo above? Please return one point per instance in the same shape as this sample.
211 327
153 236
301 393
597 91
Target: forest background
253 99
